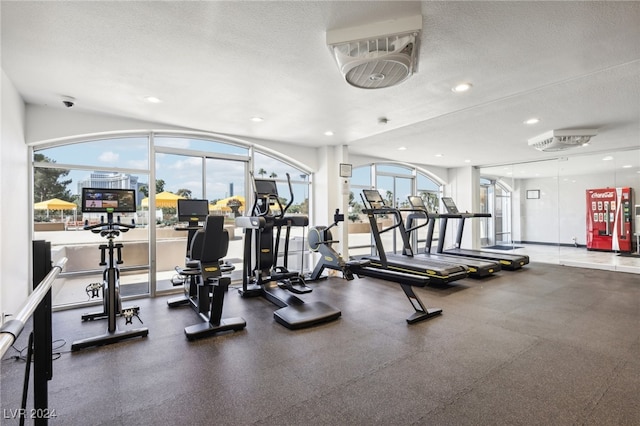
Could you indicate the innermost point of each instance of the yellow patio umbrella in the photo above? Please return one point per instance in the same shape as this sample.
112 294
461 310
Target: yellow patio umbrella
223 205
164 199
55 204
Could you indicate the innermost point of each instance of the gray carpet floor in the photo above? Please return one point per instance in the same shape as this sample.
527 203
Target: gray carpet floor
547 345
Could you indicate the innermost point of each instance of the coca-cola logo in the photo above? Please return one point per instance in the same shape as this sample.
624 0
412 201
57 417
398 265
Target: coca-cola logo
602 194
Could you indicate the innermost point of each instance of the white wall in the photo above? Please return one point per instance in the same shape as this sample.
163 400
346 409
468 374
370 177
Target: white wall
44 123
463 186
15 229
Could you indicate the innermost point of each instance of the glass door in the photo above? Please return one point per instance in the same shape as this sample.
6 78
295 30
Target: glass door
225 189
177 176
502 217
487 236
394 190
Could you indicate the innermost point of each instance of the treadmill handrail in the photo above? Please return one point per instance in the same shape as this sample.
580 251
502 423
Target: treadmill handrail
385 210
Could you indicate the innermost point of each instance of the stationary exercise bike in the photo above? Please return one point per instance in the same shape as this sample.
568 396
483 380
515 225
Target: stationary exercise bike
98 200
205 285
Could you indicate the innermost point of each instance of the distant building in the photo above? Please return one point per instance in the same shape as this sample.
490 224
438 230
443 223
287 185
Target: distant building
113 180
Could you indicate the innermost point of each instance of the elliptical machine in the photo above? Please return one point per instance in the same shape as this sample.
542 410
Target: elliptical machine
98 200
261 276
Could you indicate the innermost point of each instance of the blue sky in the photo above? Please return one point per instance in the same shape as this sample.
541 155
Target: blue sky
177 171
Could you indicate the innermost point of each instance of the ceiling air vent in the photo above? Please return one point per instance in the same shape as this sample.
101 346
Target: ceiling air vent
377 55
560 140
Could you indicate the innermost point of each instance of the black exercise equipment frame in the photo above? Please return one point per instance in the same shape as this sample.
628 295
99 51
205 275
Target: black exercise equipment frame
261 276
207 286
320 240
111 286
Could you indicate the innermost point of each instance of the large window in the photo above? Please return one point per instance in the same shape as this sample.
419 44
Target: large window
395 184
59 174
297 197
160 168
195 169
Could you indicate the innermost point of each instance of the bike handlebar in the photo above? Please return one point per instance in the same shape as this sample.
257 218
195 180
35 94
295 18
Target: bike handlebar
108 226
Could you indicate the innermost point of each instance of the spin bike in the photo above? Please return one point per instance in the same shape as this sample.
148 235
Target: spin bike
110 259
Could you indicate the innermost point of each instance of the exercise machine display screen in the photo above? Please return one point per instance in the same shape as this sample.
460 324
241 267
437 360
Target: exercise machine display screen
373 197
266 187
193 210
450 205
104 200
417 202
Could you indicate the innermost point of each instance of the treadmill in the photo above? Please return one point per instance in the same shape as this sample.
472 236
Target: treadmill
478 268
507 261
436 270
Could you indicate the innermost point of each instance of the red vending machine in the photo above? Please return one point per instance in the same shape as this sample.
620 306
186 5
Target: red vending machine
609 219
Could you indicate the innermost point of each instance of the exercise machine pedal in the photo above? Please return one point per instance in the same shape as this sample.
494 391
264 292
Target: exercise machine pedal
295 286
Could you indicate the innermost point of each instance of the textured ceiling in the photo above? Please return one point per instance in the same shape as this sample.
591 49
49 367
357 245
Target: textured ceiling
216 64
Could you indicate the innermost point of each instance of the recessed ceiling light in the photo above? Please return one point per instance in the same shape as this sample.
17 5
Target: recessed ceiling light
607 158
532 121
328 133
627 166
467 161
462 87
438 155
257 119
152 99
402 148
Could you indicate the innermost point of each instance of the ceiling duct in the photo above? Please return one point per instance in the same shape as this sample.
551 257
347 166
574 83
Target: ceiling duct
377 55
560 140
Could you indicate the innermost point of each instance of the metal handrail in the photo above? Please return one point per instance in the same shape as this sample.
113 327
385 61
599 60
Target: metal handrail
12 328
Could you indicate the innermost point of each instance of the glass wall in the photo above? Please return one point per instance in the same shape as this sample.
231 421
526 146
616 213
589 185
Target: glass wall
395 184
183 167
549 206
294 195
59 174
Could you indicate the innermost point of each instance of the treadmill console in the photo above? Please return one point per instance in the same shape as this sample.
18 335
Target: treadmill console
373 197
450 205
417 202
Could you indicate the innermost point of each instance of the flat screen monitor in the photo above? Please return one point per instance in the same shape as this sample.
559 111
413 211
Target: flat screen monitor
193 210
265 187
373 197
417 202
450 205
103 200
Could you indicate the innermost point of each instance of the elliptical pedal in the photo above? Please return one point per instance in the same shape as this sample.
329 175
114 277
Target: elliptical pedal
298 287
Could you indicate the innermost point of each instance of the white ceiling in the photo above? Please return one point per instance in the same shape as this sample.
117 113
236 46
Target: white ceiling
216 64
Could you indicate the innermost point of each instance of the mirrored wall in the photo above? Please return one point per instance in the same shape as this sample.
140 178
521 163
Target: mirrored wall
572 210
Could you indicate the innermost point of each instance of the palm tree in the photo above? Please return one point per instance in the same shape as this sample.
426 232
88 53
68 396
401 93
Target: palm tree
183 192
144 188
273 175
262 172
